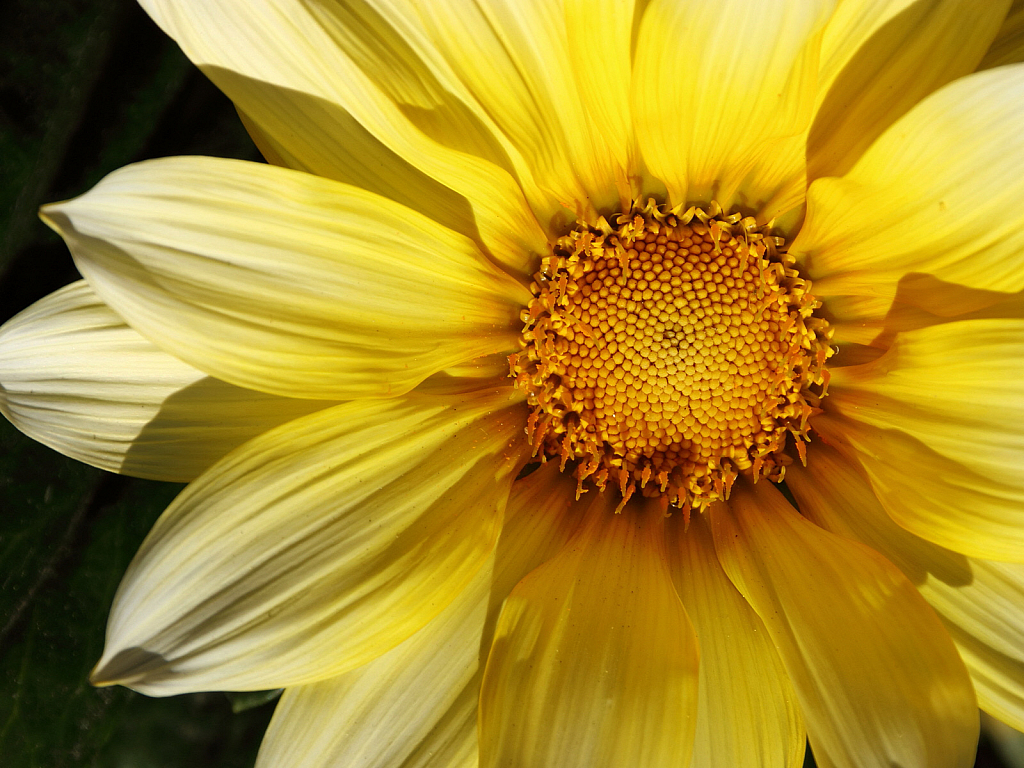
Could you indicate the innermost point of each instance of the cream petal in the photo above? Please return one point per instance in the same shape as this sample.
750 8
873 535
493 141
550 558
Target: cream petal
283 282
946 403
594 661
750 71
75 377
316 547
879 59
1008 47
748 716
878 679
935 194
377 715
354 102
416 706
978 600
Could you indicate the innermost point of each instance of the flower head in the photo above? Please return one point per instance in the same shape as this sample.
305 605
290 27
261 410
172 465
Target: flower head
582 383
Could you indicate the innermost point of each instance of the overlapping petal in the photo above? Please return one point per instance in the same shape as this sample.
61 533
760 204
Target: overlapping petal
524 45
417 704
978 600
325 543
935 194
75 377
1008 46
333 111
880 58
948 401
748 716
718 88
877 676
283 282
594 661
377 715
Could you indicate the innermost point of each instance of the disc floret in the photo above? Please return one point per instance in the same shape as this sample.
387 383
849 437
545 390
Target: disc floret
667 352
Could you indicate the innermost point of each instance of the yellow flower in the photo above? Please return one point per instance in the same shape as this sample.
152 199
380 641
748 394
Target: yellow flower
717 246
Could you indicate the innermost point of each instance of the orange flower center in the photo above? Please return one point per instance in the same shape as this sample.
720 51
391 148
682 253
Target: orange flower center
669 354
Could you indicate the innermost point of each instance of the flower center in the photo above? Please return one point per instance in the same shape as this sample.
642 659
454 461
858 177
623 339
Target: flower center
669 353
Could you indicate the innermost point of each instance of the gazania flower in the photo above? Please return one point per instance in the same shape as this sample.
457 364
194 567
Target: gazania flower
582 383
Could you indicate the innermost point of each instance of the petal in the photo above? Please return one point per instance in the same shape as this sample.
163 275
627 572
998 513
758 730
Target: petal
877 676
599 34
417 704
880 59
946 403
750 68
978 600
1008 47
516 58
316 547
74 377
594 661
936 193
748 716
378 714
354 103
283 282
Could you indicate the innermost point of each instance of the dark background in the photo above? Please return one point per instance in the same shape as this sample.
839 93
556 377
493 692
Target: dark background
87 86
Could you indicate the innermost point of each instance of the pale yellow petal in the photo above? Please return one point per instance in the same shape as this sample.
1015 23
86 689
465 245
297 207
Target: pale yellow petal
377 715
936 193
748 715
75 377
945 445
879 59
594 662
718 88
416 706
978 600
878 679
316 547
1008 47
362 108
280 281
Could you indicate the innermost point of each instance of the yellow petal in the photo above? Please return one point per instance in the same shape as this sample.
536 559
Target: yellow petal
516 58
417 704
877 676
599 33
316 547
361 109
74 377
978 600
909 51
935 194
1008 47
283 282
946 403
379 714
594 661
718 87
748 716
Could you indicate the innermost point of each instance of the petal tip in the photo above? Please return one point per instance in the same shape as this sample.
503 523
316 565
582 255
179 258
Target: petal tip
130 665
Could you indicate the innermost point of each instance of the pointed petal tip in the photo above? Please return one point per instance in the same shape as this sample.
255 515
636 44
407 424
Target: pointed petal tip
131 665
48 214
